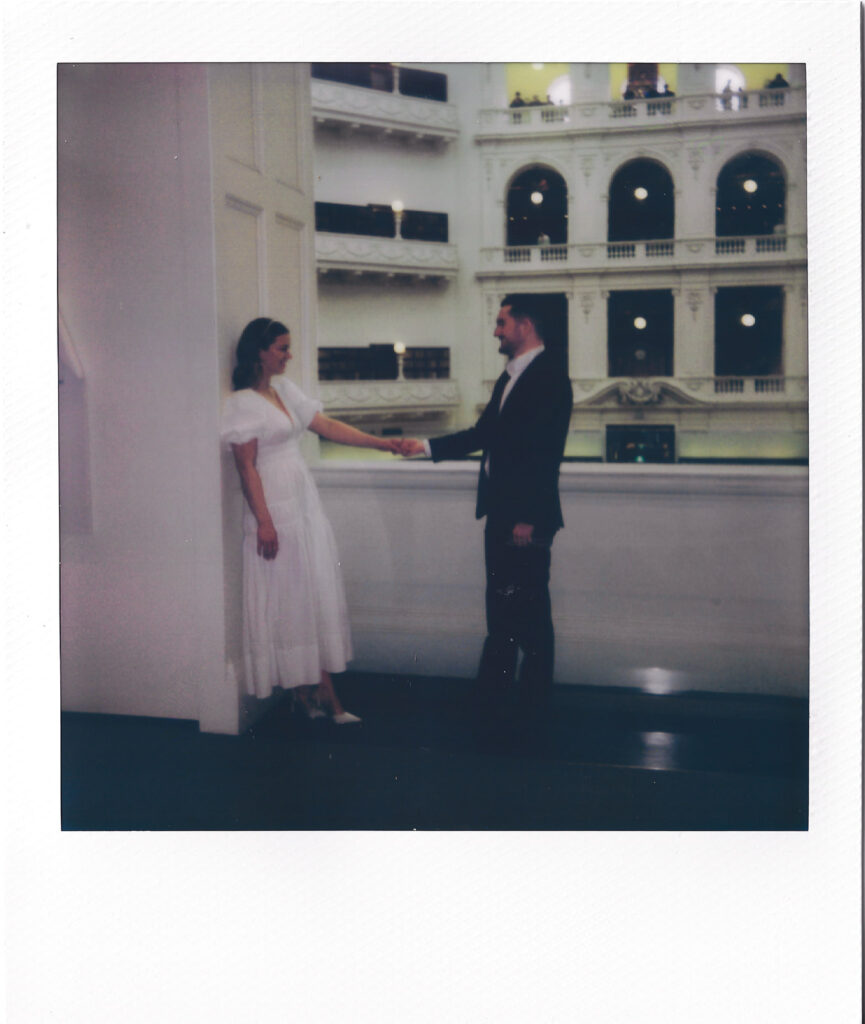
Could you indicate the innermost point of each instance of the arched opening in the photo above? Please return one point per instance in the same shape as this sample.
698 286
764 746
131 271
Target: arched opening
751 197
537 208
641 203
729 83
559 91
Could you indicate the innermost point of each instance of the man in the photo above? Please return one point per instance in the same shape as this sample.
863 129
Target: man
522 436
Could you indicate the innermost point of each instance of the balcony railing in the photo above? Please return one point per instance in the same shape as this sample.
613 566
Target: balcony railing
362 253
387 396
577 256
626 114
353 107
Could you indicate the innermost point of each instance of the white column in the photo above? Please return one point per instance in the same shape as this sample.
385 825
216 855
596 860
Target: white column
795 345
694 329
590 82
587 333
495 87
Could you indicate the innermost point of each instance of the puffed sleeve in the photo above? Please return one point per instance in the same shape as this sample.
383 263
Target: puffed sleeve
297 402
242 418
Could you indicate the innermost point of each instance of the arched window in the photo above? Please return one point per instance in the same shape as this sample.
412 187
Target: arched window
559 91
751 197
729 81
641 204
537 208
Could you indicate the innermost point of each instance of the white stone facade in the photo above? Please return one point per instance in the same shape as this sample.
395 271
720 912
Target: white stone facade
460 158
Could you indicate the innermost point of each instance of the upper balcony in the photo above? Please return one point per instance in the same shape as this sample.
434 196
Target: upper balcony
389 257
688 253
627 115
382 107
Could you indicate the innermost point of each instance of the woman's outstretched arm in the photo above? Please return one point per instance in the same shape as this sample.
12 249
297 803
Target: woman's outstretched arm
342 433
250 482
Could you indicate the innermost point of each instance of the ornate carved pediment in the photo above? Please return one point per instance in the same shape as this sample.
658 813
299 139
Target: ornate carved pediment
640 392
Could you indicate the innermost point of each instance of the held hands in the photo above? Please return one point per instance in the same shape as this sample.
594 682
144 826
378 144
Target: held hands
268 542
408 447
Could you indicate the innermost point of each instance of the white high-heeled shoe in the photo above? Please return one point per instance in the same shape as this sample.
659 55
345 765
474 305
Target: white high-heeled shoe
344 718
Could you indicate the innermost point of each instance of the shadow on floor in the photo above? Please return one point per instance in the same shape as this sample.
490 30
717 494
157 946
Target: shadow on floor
606 758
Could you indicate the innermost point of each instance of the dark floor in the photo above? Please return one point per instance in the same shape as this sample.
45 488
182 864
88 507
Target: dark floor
606 758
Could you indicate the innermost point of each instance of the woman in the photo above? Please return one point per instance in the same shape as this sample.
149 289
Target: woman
295 623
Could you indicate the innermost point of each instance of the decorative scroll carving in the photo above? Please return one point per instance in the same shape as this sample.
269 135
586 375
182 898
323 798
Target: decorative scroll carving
587 302
639 392
356 251
695 301
389 394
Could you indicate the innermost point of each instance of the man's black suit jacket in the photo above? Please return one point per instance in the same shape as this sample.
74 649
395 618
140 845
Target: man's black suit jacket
525 443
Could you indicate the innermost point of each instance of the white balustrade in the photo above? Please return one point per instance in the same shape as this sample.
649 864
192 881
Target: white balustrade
625 114
683 252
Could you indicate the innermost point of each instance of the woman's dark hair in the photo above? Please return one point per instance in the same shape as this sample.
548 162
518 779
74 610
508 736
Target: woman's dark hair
258 334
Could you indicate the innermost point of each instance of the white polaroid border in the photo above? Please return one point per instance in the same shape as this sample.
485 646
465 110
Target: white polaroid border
598 927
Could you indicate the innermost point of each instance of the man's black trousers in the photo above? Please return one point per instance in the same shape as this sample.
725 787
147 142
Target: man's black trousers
519 617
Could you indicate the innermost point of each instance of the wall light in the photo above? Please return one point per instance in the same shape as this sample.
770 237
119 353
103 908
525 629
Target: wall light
641 193
399 348
640 323
748 319
537 198
397 206
750 185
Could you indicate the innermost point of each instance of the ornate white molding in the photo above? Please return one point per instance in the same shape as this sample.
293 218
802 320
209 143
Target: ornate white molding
359 252
693 391
679 254
355 106
388 395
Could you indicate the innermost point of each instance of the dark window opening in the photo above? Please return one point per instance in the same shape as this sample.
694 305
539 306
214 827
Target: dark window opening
641 444
640 334
379 362
537 208
749 331
427 85
751 197
642 78
378 220
642 203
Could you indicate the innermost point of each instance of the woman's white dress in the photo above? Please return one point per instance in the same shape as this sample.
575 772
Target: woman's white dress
295 621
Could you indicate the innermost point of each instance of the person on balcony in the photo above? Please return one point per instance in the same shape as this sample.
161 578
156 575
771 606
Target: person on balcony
778 82
517 101
535 101
295 623
727 96
522 435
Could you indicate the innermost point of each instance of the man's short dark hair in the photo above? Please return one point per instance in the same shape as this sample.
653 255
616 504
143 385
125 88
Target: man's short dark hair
525 306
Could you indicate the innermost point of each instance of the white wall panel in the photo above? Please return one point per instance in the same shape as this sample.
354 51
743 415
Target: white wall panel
141 592
664 577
